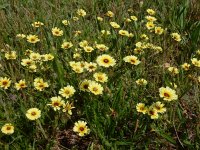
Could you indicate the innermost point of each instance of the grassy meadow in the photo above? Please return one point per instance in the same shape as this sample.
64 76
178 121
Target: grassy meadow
99 74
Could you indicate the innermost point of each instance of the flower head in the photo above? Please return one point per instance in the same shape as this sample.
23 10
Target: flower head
95 88
106 60
81 128
141 108
7 128
56 103
57 31
132 60
32 38
5 82
33 113
168 94
20 85
67 91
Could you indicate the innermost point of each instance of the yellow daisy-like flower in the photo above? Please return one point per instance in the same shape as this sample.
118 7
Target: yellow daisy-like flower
168 94
159 107
144 37
56 103
99 18
195 62
81 12
159 30
102 47
5 82
141 108
141 82
91 66
88 49
37 24
67 91
173 70
152 112
7 128
66 45
20 85
48 57
150 25
123 33
83 43
22 36
65 22
67 107
35 56
115 25
176 37
33 113
84 85
57 31
185 66
39 84
151 12
32 38
132 60
105 32
81 128
100 77
11 55
95 88
27 62
105 60
134 18
150 18
110 14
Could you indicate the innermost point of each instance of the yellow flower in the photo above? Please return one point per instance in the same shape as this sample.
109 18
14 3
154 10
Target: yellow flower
65 22
150 25
141 108
159 30
123 32
173 70
39 84
67 91
141 82
127 20
75 18
100 77
76 66
134 18
102 47
185 66
66 45
151 12
176 37
99 18
88 49
33 113
106 60
114 25
37 24
21 36
195 62
20 85
48 57
7 128
84 85
27 62
76 55
56 103
95 88
67 107
91 66
110 14
11 55
83 43
168 94
132 60
35 56
81 128
152 112
32 38
144 37
138 50
81 12
105 32
57 31
150 18
5 82
32 68
159 107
